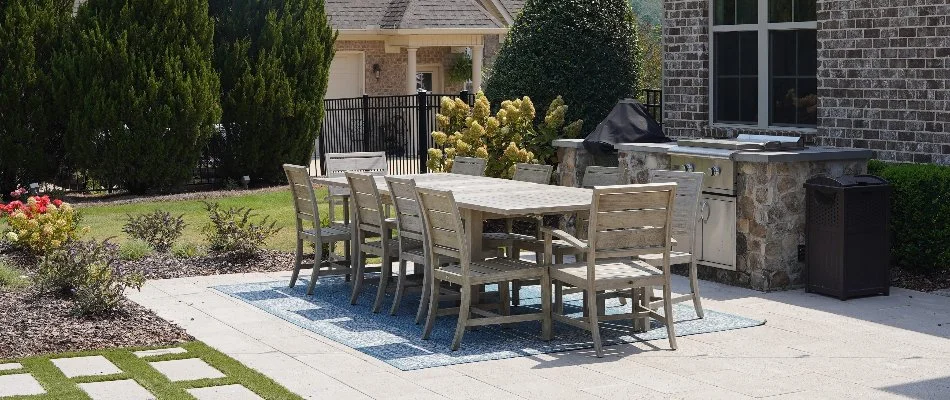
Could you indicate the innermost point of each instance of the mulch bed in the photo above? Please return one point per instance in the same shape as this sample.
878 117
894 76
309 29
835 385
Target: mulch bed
923 283
33 324
124 198
164 266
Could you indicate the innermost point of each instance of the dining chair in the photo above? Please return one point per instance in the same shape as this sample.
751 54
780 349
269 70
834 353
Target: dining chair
532 173
309 229
469 166
601 176
689 186
625 222
371 222
446 235
338 164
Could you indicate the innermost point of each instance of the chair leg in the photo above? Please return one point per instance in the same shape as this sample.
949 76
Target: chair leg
546 323
559 297
504 298
594 327
358 272
423 299
385 273
297 260
433 308
694 285
516 292
400 287
464 313
668 313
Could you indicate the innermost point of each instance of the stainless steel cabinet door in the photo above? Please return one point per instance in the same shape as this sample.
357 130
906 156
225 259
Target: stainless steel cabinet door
718 227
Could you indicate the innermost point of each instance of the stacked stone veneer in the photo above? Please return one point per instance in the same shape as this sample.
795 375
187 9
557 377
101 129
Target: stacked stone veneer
883 76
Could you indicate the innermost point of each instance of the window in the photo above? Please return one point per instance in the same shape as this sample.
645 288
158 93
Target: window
424 81
764 62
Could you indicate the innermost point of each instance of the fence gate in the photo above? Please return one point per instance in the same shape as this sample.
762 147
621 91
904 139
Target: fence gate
399 125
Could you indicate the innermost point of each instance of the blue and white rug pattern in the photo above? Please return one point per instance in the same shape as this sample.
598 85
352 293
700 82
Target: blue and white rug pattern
397 341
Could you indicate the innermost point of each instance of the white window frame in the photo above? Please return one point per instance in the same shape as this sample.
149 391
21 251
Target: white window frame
763 26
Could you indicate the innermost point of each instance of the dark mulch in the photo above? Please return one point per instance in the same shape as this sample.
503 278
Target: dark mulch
32 324
917 281
164 266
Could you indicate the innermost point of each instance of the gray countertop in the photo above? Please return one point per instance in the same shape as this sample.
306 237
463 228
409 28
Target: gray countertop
812 153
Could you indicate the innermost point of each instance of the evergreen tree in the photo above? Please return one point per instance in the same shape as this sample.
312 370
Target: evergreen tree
145 92
31 128
274 60
587 51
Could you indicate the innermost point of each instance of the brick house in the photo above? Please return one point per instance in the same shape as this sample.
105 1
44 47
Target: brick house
871 74
395 47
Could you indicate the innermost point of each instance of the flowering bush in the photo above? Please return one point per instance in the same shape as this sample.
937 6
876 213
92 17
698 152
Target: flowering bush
473 132
40 225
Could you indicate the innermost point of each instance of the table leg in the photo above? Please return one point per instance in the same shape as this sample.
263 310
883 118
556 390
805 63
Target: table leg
474 227
354 234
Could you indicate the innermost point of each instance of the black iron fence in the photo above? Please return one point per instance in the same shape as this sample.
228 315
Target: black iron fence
399 125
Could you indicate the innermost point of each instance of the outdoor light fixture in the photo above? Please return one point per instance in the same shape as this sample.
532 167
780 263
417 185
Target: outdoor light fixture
376 70
246 181
34 189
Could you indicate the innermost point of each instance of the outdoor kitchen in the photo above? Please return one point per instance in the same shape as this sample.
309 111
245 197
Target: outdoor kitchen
751 231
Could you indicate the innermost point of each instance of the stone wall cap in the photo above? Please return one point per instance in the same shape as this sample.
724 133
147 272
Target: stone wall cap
806 155
569 143
645 147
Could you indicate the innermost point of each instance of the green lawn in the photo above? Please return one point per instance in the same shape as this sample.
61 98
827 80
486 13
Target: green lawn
59 387
107 221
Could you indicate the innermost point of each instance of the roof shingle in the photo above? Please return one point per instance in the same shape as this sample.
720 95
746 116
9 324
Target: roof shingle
409 14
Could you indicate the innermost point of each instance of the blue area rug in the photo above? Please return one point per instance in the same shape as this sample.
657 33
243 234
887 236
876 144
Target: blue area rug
396 339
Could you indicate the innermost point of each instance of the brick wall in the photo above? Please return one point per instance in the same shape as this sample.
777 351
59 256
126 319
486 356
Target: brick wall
883 75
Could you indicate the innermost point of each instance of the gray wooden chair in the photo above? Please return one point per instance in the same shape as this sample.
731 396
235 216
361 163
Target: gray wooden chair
309 229
689 186
601 176
338 164
533 173
371 222
625 222
469 166
447 237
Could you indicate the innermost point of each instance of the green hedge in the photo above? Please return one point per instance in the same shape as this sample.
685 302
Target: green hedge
920 217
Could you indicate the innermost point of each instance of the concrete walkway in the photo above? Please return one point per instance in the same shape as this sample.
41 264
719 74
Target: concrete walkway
812 347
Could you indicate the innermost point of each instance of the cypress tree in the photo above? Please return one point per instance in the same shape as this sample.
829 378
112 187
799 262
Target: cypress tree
31 123
145 91
587 51
274 61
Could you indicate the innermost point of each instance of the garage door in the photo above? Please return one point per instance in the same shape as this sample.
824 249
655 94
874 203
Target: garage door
346 76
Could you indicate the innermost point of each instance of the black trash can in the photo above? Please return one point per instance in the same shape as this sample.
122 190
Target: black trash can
847 237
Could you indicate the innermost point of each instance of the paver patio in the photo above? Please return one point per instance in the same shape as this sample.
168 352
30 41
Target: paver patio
811 347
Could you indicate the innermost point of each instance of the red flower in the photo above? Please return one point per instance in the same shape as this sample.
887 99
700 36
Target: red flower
57 202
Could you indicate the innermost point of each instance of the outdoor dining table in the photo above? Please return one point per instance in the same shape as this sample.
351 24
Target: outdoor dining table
480 198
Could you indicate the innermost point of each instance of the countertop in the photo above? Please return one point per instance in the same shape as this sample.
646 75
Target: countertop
811 153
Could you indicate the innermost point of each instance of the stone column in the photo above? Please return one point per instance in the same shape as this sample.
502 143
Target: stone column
572 159
478 55
411 71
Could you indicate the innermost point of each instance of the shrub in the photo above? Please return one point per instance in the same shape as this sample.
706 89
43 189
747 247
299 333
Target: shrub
651 69
144 92
274 61
920 215
31 123
159 229
233 230
185 250
89 272
134 250
472 132
40 225
584 50
12 278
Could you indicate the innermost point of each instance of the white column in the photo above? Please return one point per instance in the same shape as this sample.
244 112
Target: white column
478 54
411 71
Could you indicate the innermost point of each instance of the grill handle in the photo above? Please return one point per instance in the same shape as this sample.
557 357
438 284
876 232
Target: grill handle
704 211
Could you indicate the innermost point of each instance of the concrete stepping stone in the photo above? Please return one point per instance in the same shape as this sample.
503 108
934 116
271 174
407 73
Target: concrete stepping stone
229 392
159 352
117 390
187 370
19 385
10 366
86 366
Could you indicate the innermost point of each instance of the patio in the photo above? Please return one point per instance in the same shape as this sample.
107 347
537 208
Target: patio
810 347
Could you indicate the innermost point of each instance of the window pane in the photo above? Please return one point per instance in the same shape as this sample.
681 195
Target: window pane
747 11
727 53
780 10
808 101
783 101
782 51
749 98
727 99
793 86
749 52
805 10
736 77
807 52
725 12
424 81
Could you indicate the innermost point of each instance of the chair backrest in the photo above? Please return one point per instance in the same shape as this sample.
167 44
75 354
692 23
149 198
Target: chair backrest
601 176
534 173
366 200
443 226
339 163
469 166
408 214
689 188
305 201
630 220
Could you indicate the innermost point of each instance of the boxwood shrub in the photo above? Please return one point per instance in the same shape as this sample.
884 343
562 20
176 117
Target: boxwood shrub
920 218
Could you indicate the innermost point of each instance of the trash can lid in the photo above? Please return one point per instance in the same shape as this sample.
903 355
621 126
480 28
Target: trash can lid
846 181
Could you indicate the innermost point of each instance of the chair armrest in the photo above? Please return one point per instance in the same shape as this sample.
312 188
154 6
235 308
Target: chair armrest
567 237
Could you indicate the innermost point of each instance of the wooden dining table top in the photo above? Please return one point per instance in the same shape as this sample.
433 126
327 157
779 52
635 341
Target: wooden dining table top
491 195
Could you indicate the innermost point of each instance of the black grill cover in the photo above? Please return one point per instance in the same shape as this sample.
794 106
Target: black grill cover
628 122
